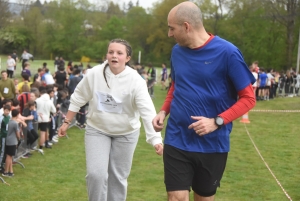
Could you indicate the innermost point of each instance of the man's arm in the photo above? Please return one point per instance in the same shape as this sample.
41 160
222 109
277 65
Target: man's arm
204 125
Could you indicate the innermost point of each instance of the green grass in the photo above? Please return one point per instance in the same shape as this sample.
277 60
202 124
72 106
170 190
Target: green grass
59 175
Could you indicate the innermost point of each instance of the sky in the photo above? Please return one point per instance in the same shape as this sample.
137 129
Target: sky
143 3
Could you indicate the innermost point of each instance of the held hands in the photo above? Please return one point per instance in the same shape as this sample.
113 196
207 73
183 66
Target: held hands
203 125
158 121
159 149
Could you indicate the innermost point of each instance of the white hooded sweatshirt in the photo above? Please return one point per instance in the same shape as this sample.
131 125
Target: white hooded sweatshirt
116 109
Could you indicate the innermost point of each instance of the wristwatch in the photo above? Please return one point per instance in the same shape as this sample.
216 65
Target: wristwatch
219 121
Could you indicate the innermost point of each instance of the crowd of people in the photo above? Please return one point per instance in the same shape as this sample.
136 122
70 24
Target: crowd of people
32 108
270 83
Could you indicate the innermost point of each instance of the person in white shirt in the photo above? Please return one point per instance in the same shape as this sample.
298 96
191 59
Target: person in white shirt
10 66
44 106
47 78
118 96
253 69
25 58
269 84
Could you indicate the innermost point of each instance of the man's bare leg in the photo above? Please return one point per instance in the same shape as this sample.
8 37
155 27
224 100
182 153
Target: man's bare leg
178 195
201 198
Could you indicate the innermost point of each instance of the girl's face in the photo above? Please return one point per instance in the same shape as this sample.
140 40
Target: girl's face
117 56
32 96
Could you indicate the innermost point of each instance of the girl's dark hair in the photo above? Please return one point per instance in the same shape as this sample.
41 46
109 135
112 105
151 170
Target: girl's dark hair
128 52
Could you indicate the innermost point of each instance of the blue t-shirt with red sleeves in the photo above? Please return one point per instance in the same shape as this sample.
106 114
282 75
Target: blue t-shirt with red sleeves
206 82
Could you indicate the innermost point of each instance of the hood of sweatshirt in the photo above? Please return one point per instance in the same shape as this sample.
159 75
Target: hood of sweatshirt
44 97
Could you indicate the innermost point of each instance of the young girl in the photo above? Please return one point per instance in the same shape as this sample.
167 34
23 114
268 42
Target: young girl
118 95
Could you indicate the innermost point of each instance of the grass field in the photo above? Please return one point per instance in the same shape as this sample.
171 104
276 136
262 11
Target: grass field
59 175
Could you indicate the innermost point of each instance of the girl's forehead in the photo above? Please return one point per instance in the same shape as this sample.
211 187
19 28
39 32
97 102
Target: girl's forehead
116 45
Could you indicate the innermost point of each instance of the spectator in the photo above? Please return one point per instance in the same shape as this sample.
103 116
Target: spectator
61 62
3 134
38 76
61 77
15 57
44 106
56 64
11 142
74 81
262 81
44 65
10 66
30 113
24 86
164 76
25 58
69 67
151 79
7 87
47 78
253 69
26 69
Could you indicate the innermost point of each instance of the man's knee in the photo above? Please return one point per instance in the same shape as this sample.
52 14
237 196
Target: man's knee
178 195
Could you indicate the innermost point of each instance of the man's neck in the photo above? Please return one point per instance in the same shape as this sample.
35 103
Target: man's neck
198 39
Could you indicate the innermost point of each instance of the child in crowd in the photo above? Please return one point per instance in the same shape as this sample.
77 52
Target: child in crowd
11 142
29 111
26 70
44 107
16 82
3 134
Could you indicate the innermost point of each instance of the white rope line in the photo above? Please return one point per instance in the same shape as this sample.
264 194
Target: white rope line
287 195
289 111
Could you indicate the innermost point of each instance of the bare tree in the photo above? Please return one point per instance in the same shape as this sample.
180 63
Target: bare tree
286 12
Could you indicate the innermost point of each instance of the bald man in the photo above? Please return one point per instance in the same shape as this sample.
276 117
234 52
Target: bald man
208 75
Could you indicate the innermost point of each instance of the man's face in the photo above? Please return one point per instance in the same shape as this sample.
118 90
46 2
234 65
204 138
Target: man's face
4 75
176 31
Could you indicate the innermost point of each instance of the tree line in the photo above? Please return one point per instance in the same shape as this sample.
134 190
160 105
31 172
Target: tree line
264 30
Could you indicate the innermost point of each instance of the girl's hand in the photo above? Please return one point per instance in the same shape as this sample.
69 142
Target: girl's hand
62 131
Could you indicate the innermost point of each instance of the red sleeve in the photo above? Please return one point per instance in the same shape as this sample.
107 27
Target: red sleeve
167 104
245 103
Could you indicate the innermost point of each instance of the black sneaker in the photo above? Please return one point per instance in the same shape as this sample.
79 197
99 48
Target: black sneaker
48 146
29 154
11 174
6 174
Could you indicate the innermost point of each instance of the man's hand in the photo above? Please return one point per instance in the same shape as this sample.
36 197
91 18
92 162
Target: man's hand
203 125
158 121
159 149
62 131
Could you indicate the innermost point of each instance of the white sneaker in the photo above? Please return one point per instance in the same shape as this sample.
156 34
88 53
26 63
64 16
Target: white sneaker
54 140
49 143
33 149
40 151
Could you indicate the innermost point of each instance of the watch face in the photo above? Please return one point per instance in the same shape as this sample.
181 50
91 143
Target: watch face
219 121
